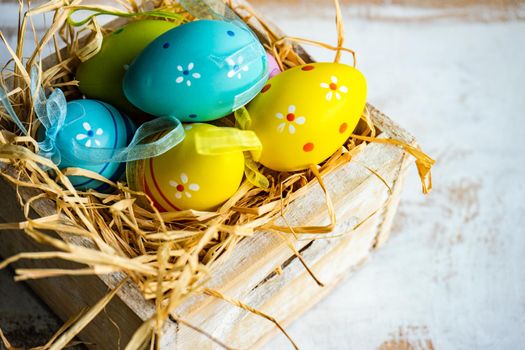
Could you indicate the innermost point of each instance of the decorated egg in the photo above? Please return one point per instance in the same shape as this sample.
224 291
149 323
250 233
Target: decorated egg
101 76
303 115
273 66
183 178
199 71
92 124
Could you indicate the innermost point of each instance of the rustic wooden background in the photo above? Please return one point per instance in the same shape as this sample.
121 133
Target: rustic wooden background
453 274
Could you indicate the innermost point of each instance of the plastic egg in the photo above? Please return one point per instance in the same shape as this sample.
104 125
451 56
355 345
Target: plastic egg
199 71
101 76
273 66
92 124
184 179
303 115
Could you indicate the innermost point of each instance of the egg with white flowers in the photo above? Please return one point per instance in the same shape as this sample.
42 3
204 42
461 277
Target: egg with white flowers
90 125
184 178
304 114
199 71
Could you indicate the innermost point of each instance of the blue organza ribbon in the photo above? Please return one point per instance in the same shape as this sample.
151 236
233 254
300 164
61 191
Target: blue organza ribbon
9 109
52 113
173 134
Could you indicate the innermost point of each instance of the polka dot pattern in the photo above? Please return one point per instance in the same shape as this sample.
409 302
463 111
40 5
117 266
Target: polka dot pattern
166 45
230 33
343 128
308 147
266 88
308 68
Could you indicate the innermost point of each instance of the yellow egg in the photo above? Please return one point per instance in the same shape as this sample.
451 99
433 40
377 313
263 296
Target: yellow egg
303 115
184 179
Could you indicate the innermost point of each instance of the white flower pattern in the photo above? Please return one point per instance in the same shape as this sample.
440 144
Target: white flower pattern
236 67
290 120
187 74
183 187
90 135
334 89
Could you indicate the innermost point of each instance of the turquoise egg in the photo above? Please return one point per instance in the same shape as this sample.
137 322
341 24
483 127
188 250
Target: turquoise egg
198 71
92 124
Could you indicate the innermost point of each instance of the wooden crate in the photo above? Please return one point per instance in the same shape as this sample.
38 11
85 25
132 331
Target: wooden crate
252 273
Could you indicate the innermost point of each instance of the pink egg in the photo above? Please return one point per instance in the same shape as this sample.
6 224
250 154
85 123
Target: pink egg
273 66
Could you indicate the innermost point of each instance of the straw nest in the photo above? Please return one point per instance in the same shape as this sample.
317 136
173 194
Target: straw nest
167 255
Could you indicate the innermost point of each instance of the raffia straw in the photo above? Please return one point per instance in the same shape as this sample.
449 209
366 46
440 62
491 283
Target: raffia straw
115 324
301 259
312 42
423 162
72 320
371 129
142 336
340 31
6 343
198 330
309 229
219 295
84 320
376 174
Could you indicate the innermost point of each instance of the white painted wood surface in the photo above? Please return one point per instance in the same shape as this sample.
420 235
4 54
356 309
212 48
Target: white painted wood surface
453 274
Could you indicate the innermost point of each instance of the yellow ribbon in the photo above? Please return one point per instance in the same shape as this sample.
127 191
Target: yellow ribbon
222 140
225 140
243 120
253 175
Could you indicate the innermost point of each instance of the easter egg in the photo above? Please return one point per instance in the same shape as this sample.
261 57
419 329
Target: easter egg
199 71
184 179
92 124
273 66
303 115
101 76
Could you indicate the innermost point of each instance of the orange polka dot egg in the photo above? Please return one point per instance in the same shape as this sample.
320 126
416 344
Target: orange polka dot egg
303 115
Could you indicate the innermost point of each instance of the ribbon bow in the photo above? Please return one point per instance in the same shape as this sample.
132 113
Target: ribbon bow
52 112
7 105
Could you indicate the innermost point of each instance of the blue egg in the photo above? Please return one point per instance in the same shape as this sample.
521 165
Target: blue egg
199 71
93 124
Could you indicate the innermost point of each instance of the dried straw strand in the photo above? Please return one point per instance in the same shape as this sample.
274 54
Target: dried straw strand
84 320
6 343
219 295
